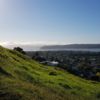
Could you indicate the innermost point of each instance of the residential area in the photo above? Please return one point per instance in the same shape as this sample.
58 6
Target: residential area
82 64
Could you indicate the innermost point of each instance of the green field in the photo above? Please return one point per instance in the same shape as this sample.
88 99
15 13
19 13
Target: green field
22 78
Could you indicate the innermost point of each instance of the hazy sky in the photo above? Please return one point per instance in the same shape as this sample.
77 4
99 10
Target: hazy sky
49 21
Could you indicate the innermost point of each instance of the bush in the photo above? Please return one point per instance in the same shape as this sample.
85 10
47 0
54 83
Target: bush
65 86
19 50
53 73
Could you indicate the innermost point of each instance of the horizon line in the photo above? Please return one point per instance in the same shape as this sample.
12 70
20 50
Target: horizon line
40 43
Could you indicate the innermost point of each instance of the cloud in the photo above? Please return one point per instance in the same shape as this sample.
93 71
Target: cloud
29 46
30 43
4 43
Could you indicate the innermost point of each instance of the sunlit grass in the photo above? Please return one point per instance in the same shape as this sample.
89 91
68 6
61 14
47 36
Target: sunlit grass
29 80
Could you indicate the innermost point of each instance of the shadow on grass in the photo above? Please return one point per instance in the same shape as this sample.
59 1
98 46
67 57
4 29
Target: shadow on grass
3 72
9 96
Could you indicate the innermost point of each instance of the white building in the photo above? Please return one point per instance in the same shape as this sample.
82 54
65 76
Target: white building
50 63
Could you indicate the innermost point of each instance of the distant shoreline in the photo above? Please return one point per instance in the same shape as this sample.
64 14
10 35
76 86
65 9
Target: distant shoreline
73 47
73 50
70 47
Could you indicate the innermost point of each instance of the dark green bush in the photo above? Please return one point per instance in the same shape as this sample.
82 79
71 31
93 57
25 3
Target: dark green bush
53 73
65 86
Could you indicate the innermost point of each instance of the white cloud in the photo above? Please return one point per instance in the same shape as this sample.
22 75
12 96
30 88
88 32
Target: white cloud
31 43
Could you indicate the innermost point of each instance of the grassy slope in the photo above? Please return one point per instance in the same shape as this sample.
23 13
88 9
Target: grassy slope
24 79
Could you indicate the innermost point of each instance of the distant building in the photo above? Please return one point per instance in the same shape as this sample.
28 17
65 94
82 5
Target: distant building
50 63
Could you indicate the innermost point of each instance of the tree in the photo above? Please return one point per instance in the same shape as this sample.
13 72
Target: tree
19 50
38 57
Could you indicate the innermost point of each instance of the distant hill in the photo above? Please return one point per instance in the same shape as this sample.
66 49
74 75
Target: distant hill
71 46
22 78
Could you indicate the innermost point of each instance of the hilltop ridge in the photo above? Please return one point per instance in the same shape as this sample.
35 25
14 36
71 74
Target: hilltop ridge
71 46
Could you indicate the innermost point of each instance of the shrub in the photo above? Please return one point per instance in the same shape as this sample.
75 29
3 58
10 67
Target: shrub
53 73
19 50
65 86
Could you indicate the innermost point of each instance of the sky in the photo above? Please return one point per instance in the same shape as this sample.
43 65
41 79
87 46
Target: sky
35 22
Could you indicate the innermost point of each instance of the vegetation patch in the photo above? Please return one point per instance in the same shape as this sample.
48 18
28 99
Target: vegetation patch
78 88
65 86
10 96
3 72
53 73
24 76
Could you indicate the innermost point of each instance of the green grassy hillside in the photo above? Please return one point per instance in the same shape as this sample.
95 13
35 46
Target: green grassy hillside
24 79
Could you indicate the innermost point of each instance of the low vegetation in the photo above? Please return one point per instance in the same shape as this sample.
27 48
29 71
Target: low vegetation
22 78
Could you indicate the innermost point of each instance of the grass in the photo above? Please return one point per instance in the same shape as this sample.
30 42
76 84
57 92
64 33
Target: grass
24 79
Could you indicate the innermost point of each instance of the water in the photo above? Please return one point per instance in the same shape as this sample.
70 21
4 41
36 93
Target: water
88 50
